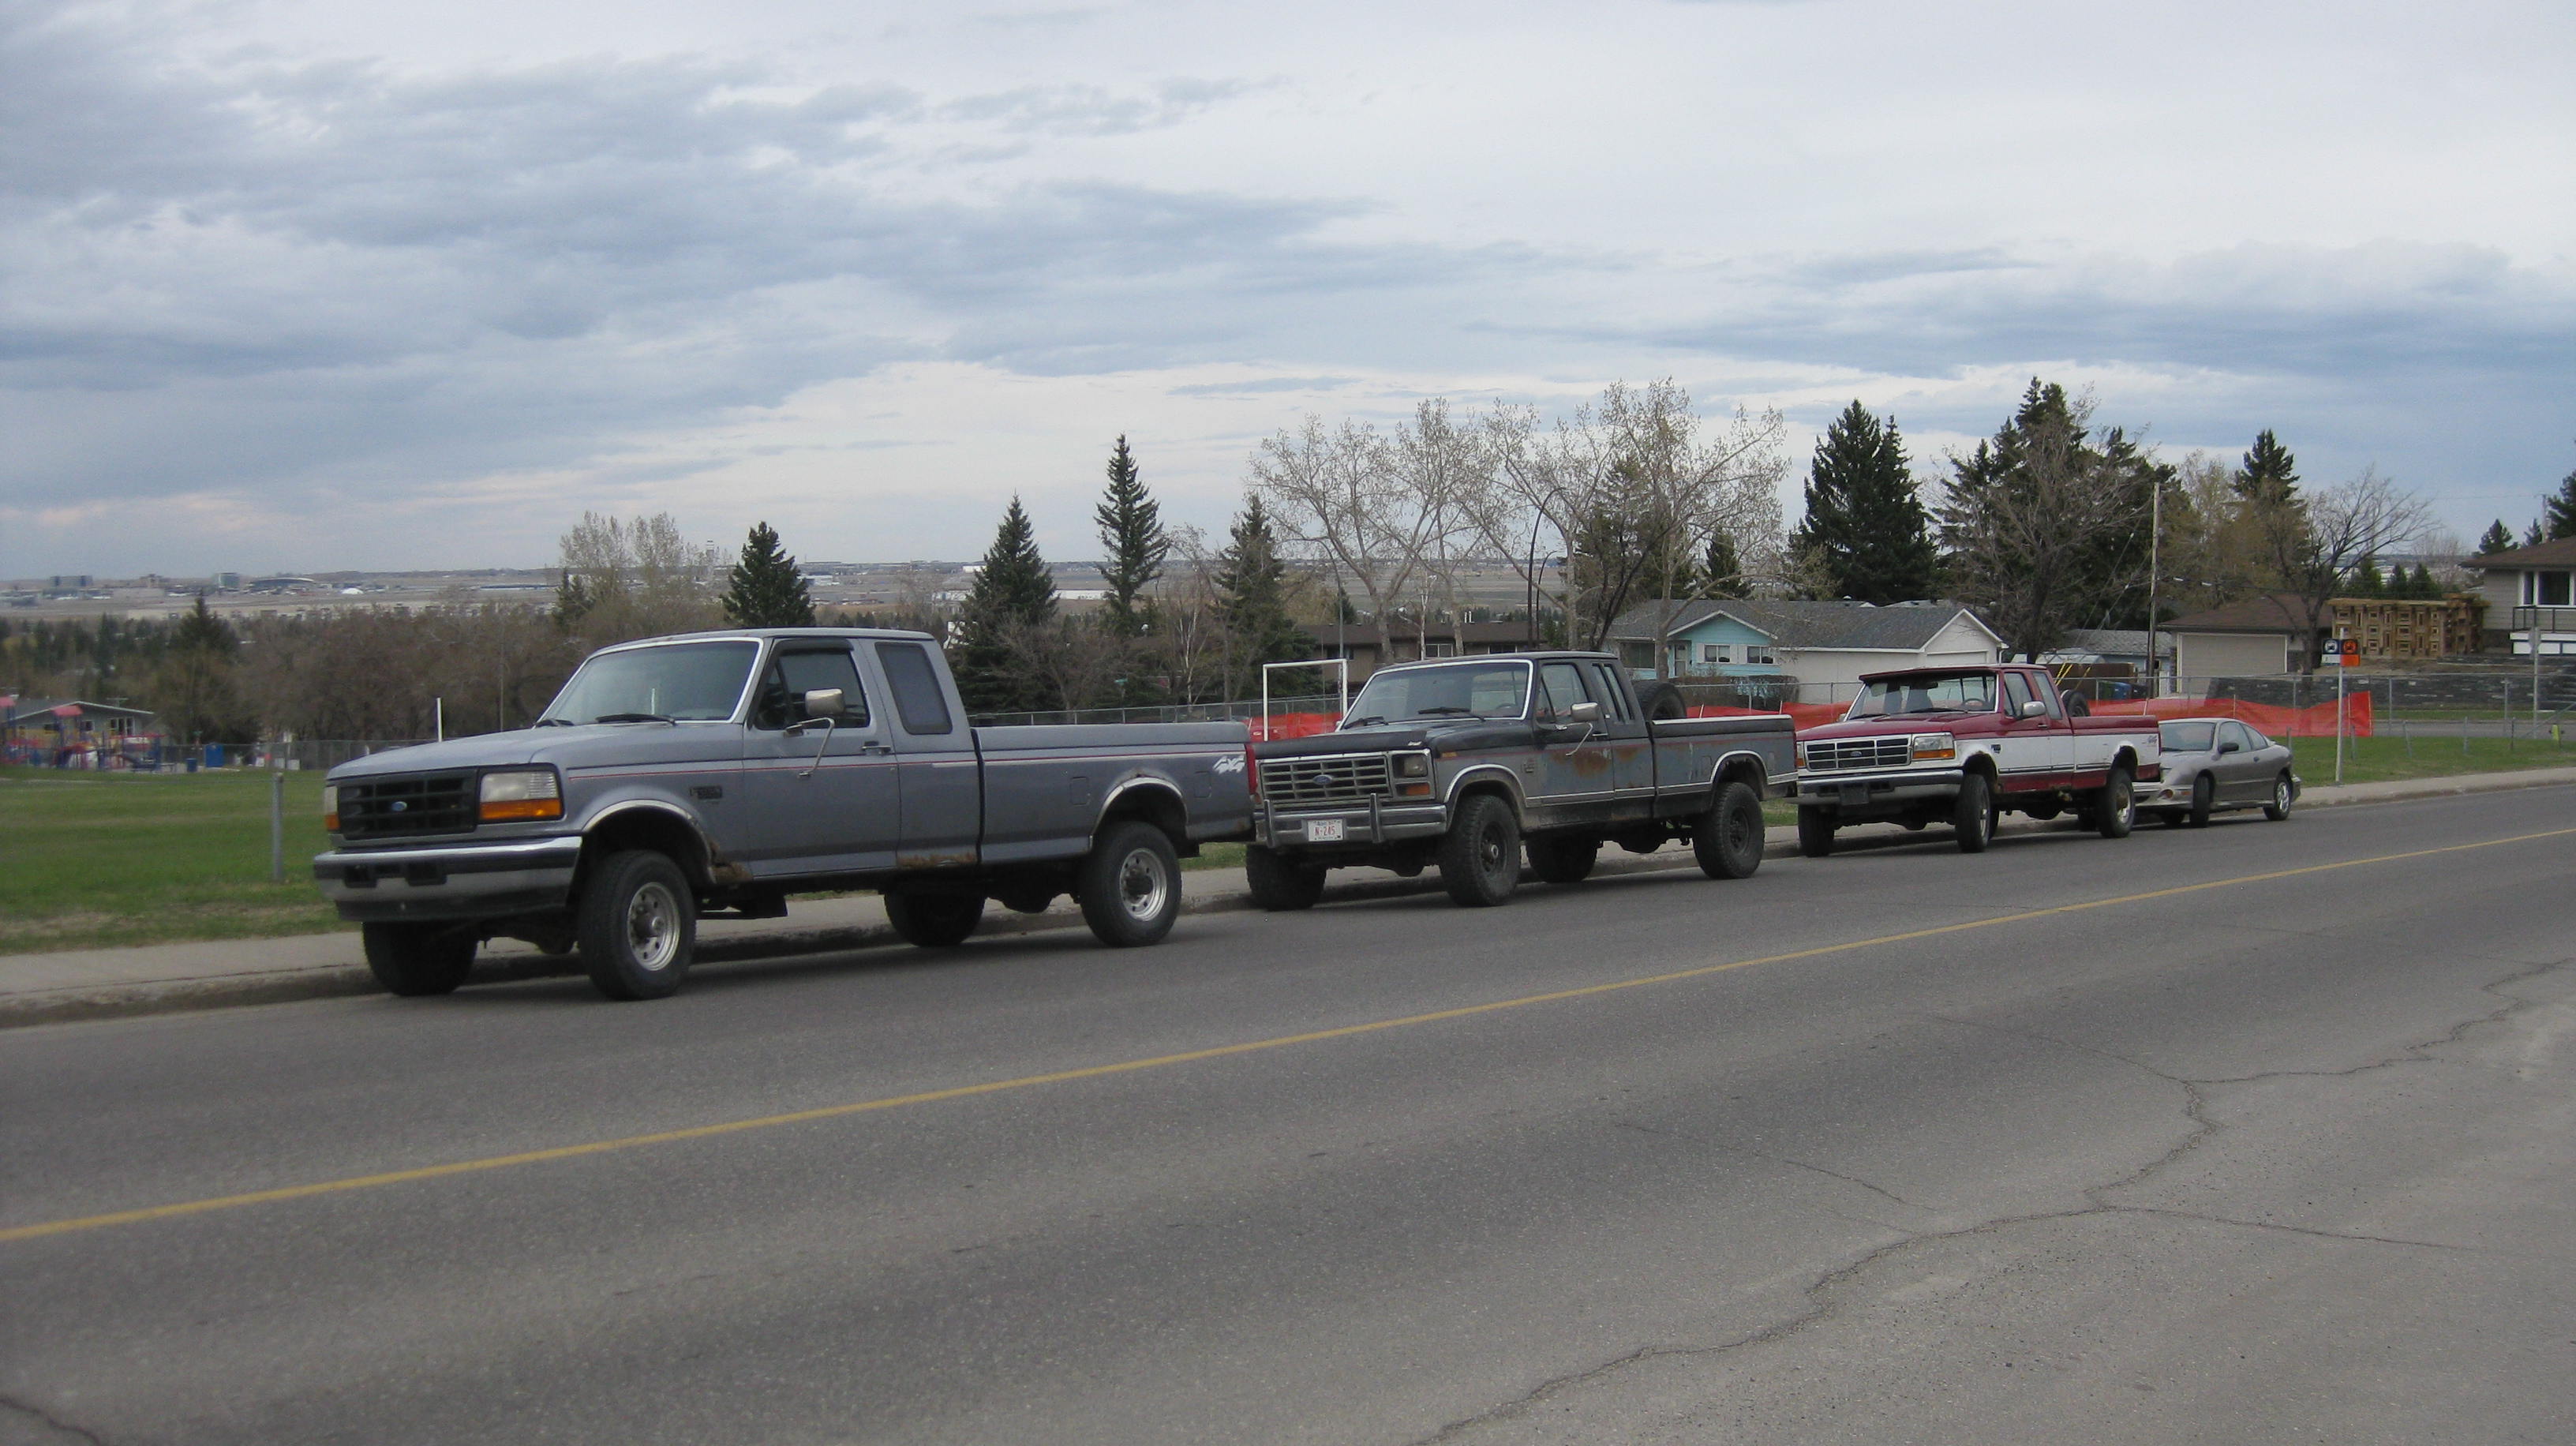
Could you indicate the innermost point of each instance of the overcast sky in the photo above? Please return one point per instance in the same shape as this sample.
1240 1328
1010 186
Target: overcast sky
293 284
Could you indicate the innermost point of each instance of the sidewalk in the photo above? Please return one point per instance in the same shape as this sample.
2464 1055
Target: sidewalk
151 979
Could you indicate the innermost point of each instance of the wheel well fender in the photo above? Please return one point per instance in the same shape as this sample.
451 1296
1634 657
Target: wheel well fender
1152 801
1744 768
1496 781
2126 757
649 826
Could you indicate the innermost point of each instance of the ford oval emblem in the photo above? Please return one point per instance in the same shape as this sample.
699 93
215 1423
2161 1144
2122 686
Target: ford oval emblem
399 805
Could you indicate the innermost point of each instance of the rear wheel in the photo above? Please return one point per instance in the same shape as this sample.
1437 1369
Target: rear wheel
2204 792
934 921
2115 808
1815 832
1281 884
1728 838
638 924
417 959
2283 795
1480 856
1973 814
1130 885
1561 860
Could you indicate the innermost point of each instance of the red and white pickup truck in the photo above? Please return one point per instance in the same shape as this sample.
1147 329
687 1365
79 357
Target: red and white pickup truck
1961 745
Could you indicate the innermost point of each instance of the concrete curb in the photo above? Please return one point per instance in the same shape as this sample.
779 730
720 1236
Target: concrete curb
71 1005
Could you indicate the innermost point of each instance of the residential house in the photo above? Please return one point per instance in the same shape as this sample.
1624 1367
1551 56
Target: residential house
1821 649
2527 588
1411 640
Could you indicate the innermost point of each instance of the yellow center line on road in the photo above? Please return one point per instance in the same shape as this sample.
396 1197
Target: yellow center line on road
1163 1061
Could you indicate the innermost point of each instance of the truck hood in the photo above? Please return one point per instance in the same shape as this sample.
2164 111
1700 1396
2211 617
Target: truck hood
1448 737
581 746
1950 722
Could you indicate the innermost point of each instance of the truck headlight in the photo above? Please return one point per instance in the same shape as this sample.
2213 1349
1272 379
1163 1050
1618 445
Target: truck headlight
521 793
330 808
1412 775
1802 753
1934 747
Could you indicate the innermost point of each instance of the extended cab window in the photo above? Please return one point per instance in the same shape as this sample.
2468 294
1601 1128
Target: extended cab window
1605 687
792 675
918 698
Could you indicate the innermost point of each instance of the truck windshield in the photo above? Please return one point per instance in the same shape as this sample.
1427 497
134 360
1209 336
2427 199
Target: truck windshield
1454 690
672 683
1926 693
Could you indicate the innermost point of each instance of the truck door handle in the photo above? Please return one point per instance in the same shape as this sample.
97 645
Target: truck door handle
872 746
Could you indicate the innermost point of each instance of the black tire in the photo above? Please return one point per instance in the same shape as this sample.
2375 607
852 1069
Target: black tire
2115 808
1480 856
1280 884
1558 859
1972 815
1815 832
934 921
416 960
2283 796
638 925
1727 840
1662 702
1130 885
2204 793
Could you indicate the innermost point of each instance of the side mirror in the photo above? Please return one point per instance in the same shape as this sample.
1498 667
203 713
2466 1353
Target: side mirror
2034 709
1584 713
823 703
2229 747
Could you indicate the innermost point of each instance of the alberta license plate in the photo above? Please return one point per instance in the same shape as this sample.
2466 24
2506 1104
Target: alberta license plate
1324 830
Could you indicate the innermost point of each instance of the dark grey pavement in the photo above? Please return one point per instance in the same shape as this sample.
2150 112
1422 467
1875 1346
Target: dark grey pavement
2283 1159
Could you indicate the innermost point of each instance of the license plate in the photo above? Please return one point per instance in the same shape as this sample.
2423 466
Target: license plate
1324 830
1855 793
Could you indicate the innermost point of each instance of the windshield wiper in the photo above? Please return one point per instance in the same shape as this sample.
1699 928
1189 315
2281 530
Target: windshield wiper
555 723
635 718
1446 711
1368 721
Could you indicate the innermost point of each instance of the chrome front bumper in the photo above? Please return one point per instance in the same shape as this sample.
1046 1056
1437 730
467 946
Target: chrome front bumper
1379 821
1871 791
457 881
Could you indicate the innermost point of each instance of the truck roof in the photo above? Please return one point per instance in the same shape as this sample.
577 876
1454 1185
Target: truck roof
756 634
1945 668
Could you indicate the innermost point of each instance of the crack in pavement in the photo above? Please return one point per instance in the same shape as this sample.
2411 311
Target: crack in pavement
1879 1191
2202 1129
51 1422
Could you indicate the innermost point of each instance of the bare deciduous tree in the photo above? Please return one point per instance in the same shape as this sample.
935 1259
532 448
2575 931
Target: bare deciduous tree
634 578
1385 512
2314 545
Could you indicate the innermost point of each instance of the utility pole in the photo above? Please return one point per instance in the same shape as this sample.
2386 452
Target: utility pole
277 820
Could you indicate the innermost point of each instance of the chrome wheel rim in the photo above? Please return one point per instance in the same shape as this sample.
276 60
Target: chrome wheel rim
2281 795
1142 884
653 928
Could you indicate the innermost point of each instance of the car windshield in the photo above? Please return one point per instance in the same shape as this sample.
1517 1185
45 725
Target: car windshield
2189 737
1926 693
672 683
1453 690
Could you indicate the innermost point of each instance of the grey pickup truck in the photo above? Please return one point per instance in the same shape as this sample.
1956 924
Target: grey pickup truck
711 775
1463 763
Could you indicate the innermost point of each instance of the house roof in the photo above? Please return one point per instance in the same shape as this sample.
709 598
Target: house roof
2109 642
1401 629
38 710
1848 626
2560 553
2268 613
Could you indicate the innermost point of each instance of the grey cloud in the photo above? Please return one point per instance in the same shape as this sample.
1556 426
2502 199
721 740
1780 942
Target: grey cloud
1089 110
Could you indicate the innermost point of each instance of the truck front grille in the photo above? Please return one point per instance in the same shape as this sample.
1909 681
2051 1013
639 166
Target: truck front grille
1338 778
424 803
1830 755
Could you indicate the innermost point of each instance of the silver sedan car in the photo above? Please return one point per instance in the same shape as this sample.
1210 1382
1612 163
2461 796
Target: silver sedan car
2212 765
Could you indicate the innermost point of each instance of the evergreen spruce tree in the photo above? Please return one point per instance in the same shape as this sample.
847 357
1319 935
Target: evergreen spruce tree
1010 608
2270 475
2366 581
1133 543
2422 586
1252 601
2535 534
767 589
2497 538
2558 510
1721 572
1864 523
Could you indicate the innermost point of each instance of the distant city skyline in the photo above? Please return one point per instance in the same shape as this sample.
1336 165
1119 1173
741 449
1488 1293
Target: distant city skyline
417 286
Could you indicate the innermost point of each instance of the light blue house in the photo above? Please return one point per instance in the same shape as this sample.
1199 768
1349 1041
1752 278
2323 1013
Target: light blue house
1786 647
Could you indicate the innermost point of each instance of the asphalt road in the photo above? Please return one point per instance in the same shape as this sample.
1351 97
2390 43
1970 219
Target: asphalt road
2280 1158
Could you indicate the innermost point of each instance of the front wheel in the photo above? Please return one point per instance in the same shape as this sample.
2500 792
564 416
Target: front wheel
934 921
1480 856
1815 832
416 960
2204 793
1281 885
1972 815
2115 808
1728 838
1130 885
637 924
1562 860
2283 795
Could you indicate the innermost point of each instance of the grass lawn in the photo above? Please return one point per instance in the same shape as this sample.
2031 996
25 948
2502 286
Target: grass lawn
99 859
2386 757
